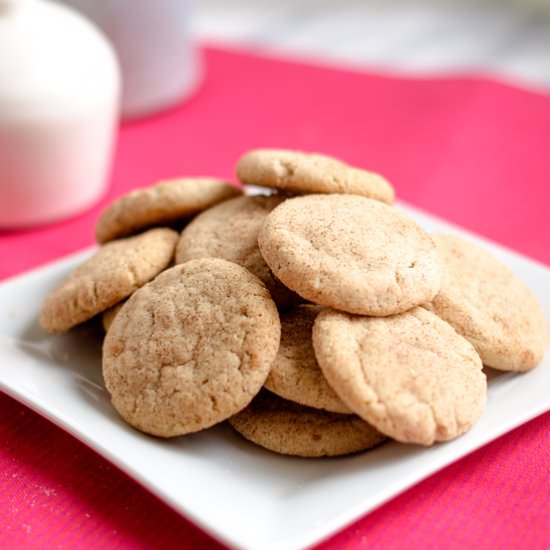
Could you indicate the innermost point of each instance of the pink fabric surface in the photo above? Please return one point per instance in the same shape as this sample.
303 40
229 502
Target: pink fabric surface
470 150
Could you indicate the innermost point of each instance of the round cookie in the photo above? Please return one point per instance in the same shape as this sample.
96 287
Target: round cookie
295 374
299 172
191 348
115 271
109 315
162 203
486 303
350 253
230 231
291 429
409 375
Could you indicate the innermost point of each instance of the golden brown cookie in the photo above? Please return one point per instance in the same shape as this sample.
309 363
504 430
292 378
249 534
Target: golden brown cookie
486 303
299 172
350 253
409 375
295 374
191 348
291 429
230 231
160 204
110 275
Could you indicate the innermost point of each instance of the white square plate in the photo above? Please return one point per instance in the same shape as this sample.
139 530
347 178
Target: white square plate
245 496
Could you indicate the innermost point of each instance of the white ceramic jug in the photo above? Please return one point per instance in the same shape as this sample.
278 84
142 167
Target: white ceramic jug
59 97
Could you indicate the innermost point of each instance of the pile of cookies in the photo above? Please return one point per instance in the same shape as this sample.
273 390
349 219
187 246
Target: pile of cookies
318 318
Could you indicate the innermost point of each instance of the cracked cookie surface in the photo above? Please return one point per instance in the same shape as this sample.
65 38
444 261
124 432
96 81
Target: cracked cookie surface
230 231
299 172
295 374
486 303
161 204
287 428
350 253
409 375
115 271
191 348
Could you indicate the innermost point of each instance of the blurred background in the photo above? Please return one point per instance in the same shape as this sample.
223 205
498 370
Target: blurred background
508 38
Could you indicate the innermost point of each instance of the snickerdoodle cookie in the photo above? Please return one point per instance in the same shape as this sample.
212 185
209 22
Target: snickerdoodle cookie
160 204
191 348
300 172
291 429
295 374
230 231
409 375
350 253
115 271
486 303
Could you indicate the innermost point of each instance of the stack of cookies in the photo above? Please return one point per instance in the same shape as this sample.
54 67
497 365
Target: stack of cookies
318 318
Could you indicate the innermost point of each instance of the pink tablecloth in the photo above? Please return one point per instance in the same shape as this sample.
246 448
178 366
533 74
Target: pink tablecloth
473 151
